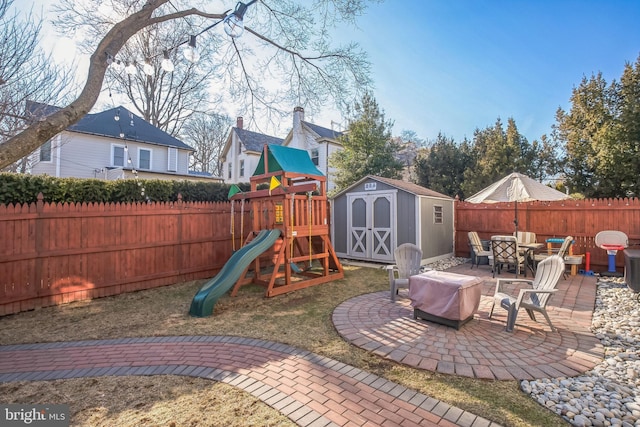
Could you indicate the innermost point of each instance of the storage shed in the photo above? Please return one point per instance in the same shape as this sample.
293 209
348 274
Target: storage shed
375 215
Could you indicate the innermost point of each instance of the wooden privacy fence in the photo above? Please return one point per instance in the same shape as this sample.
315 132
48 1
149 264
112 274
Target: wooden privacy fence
581 219
58 253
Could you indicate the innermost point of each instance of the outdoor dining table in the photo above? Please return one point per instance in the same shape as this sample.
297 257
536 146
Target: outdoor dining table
528 249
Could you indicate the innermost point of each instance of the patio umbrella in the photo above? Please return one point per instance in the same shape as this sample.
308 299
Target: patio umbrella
516 187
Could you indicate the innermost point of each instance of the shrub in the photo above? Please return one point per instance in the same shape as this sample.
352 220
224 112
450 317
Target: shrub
20 188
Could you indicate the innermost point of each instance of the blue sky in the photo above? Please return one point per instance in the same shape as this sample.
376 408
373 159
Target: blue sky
452 66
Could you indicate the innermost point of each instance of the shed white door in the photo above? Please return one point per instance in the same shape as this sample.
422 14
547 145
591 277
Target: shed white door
371 234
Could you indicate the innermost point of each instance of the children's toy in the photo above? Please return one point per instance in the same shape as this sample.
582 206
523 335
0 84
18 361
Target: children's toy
289 246
612 241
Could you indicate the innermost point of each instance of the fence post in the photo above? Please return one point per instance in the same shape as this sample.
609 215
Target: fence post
180 213
39 230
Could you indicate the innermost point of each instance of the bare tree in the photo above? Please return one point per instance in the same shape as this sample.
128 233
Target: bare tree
293 49
25 74
164 96
207 133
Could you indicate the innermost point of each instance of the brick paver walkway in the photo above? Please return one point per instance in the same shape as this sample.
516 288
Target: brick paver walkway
311 390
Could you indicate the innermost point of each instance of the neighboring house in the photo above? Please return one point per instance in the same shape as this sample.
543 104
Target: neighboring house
244 148
113 144
318 141
242 152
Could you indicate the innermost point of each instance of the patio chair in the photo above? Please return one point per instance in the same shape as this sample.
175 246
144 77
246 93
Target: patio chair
563 251
533 298
408 257
525 236
505 251
476 246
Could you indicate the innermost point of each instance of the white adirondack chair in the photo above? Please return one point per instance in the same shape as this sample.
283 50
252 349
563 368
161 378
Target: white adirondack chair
535 297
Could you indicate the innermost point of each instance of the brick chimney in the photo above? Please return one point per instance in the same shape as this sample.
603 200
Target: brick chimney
239 122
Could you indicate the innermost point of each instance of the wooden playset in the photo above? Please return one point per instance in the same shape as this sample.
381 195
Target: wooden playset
295 203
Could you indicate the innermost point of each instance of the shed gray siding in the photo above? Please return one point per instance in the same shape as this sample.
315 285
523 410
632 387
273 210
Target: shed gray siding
405 221
437 239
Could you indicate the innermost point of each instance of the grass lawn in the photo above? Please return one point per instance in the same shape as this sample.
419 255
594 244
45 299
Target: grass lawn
301 319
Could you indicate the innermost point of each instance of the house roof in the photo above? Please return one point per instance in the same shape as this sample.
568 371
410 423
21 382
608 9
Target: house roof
133 127
322 131
254 141
39 110
401 185
287 159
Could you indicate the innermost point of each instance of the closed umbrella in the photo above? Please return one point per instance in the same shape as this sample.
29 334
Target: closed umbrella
516 187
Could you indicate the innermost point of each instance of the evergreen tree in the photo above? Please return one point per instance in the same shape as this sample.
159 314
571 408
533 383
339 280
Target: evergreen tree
590 132
368 148
496 152
441 166
543 158
493 158
628 137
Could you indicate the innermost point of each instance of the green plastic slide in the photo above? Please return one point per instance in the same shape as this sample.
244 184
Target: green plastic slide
213 289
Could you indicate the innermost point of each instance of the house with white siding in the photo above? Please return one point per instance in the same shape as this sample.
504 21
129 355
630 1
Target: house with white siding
318 141
242 152
243 148
113 144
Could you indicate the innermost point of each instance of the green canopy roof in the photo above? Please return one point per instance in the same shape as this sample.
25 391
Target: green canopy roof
287 159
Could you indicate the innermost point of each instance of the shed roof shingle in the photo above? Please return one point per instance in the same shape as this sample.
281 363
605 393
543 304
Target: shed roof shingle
410 187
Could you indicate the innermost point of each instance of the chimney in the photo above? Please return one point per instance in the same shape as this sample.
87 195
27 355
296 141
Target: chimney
239 122
297 135
298 117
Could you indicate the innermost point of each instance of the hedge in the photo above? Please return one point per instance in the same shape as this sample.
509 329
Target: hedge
21 188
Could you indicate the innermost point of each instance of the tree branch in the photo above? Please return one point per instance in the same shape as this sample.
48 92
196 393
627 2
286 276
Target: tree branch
35 135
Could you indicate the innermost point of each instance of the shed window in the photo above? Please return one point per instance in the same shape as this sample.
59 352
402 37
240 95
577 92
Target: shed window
437 214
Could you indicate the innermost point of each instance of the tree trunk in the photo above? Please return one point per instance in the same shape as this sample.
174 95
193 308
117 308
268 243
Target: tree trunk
40 132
